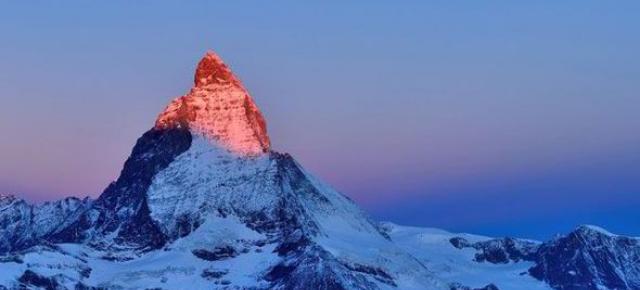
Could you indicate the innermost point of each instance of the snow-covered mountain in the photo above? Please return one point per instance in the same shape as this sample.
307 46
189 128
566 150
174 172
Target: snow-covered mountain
203 202
589 258
23 225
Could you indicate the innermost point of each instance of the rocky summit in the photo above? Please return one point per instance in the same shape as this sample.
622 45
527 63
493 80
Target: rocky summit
203 202
219 108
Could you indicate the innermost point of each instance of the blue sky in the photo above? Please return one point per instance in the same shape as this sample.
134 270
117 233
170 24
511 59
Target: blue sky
499 118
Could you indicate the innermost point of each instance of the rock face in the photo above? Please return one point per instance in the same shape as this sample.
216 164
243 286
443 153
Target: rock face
120 216
499 251
219 108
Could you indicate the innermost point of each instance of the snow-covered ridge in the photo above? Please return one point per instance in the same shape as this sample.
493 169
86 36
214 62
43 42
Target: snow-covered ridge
23 224
594 229
459 265
589 258
219 108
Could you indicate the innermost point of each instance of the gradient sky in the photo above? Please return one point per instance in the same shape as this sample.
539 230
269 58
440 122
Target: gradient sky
500 119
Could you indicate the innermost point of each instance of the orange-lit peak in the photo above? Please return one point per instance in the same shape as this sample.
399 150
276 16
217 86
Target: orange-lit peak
220 109
212 70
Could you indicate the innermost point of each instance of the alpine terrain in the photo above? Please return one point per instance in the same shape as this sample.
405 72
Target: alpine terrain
203 202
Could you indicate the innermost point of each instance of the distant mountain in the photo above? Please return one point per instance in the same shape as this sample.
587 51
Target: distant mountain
589 258
203 202
23 225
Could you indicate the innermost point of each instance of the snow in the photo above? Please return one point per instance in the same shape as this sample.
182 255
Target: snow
176 268
206 178
171 268
216 189
24 222
596 229
432 247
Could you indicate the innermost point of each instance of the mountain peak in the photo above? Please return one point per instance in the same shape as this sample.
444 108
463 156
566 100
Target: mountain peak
592 230
219 108
212 70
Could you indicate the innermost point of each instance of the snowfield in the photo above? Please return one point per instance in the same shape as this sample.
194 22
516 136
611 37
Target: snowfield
175 267
433 248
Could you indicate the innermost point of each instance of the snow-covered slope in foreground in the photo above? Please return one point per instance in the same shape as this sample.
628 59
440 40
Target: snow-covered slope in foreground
460 261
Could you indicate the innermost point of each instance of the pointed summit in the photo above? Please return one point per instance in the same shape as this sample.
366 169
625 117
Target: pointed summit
212 70
220 109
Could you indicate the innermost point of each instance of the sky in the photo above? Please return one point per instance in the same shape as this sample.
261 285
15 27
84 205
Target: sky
500 118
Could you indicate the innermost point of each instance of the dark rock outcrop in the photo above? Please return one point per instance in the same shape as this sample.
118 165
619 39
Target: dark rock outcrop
30 279
217 254
457 286
499 251
123 206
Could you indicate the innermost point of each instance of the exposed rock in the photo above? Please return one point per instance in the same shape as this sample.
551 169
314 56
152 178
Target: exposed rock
122 212
219 108
219 253
457 286
23 225
214 274
499 251
30 279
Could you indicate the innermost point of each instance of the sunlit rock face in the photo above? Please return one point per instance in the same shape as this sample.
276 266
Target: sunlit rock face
219 108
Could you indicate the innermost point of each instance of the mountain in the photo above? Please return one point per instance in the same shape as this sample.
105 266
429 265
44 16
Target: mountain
589 258
23 225
203 202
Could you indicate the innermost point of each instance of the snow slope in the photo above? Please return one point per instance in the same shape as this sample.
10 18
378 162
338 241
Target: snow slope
433 247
